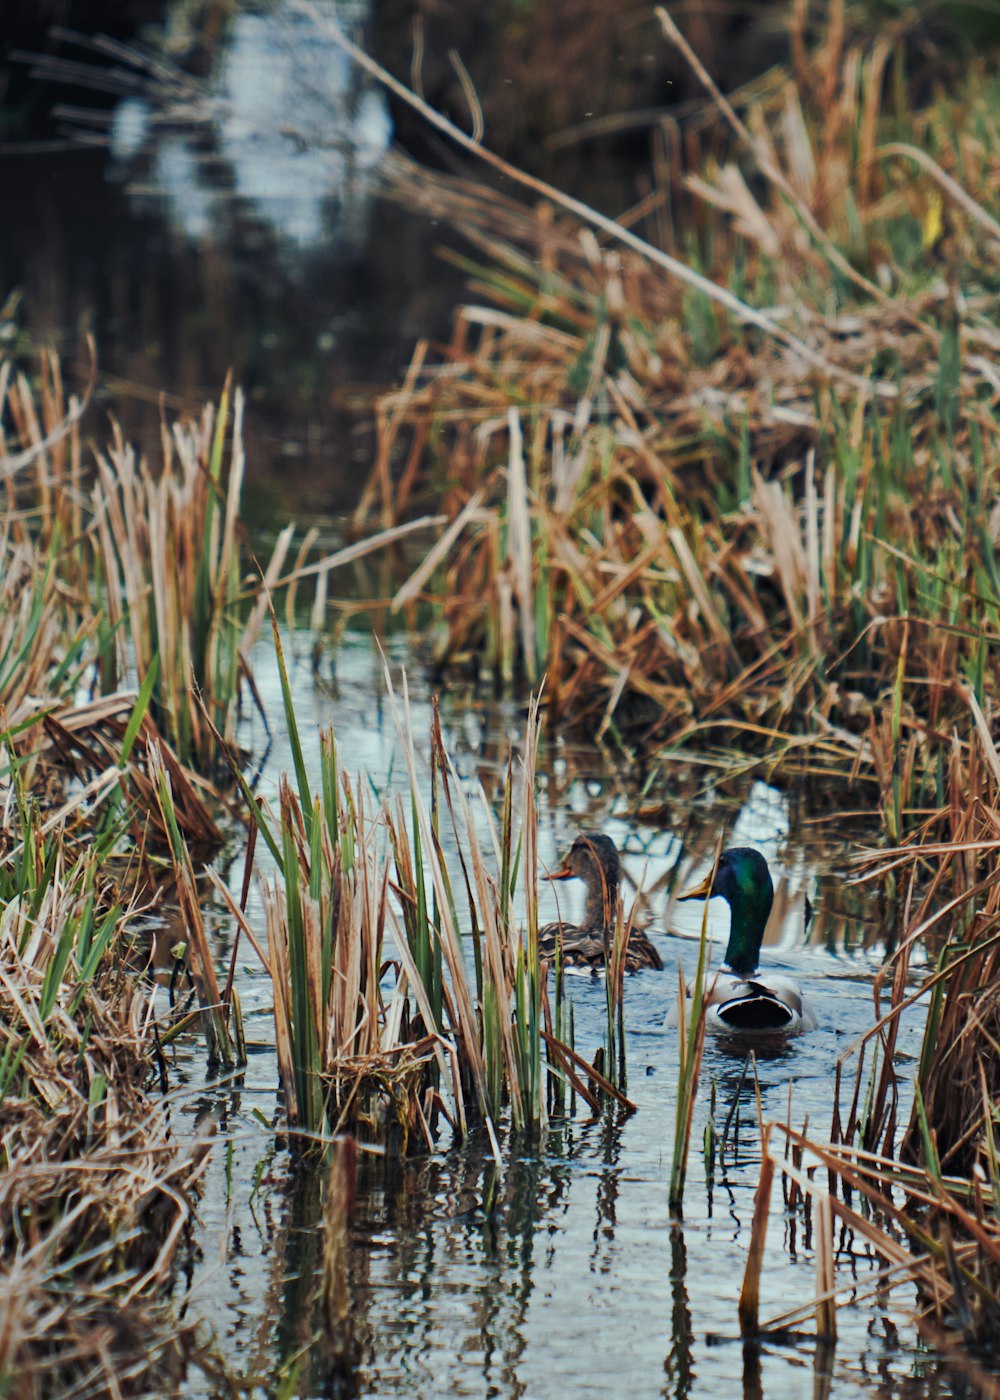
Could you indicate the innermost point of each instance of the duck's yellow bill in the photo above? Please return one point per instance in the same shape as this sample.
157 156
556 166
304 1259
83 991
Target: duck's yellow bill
564 874
699 891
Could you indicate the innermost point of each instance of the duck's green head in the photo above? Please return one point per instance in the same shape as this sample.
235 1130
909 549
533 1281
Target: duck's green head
744 882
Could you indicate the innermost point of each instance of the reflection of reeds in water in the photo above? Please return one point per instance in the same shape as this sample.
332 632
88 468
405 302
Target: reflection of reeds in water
678 1365
490 1234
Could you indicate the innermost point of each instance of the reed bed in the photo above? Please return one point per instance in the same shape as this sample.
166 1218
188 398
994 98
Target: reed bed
97 814
96 1195
170 561
384 1022
733 493
928 1189
744 502
115 570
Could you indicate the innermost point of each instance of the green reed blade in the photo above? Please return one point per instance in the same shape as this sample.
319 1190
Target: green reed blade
294 742
139 710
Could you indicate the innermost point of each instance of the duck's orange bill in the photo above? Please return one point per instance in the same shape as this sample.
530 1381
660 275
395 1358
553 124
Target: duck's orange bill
699 891
564 874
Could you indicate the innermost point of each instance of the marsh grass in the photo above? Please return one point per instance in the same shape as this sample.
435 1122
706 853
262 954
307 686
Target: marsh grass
96 1196
34 656
930 1230
614 996
170 558
742 552
387 1015
117 569
929 1187
99 817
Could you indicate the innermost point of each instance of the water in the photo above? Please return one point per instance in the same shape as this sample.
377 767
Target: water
560 1271
284 133
230 221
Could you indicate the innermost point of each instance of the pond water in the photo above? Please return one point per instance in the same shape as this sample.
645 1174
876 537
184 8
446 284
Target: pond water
218 207
561 1271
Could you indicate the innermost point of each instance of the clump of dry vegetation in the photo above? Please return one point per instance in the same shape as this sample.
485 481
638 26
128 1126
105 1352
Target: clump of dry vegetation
929 1209
381 1025
116 572
97 1194
745 501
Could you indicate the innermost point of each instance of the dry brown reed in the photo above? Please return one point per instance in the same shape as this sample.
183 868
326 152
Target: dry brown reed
946 881
170 552
86 743
123 568
341 1052
935 1232
691 1010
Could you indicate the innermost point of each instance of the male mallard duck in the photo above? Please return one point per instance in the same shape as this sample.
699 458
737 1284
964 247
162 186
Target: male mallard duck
594 859
740 999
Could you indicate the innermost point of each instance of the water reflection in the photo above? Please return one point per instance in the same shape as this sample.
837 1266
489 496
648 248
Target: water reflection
471 1278
459 1218
607 1189
823 1369
752 1387
283 125
456 1283
233 228
678 1366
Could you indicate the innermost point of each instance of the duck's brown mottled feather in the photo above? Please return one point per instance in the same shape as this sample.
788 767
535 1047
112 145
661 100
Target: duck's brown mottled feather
585 948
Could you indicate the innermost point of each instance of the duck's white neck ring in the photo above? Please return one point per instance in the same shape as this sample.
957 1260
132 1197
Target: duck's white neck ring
743 976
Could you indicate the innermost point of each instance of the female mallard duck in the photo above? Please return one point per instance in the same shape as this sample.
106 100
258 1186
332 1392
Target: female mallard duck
740 998
594 859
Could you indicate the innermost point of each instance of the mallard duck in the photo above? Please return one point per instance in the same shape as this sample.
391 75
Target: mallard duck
593 858
740 998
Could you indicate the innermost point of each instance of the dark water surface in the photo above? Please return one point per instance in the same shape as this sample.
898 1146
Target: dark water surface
229 221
